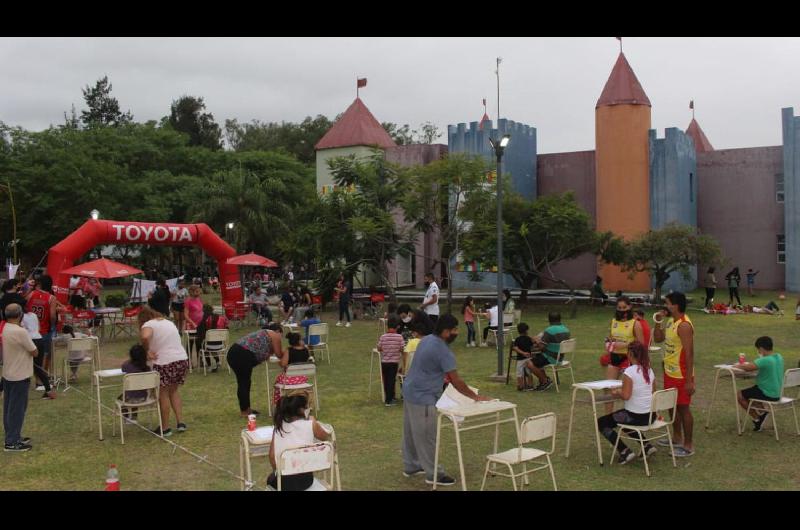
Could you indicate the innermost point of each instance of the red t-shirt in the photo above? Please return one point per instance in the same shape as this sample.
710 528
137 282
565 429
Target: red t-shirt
40 303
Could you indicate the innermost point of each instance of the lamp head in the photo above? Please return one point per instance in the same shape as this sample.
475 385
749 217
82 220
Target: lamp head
94 214
230 226
504 141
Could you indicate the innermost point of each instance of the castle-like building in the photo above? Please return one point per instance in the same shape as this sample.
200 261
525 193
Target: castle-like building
746 198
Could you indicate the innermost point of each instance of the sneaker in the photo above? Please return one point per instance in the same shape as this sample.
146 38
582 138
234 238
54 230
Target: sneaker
26 440
348 325
442 480
663 442
547 384
40 388
530 389
165 434
649 450
409 474
759 422
182 427
391 403
19 447
339 324
49 395
681 452
626 457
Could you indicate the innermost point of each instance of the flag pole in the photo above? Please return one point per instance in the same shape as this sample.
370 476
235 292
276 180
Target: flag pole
357 87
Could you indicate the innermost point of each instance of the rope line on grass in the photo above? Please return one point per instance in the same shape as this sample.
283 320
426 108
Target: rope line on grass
175 446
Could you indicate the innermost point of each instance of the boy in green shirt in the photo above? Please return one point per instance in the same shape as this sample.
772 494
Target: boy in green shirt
768 383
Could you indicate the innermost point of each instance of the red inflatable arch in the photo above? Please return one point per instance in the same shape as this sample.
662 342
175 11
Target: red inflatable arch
102 232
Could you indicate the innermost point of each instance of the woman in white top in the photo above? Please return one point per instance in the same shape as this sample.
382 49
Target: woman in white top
638 385
31 324
162 341
293 428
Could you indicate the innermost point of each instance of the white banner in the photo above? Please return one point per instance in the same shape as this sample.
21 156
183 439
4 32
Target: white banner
143 288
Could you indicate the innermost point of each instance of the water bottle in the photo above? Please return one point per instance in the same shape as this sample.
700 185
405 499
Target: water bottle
251 422
112 478
742 358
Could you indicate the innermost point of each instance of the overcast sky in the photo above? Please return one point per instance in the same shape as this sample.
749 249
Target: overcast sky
739 84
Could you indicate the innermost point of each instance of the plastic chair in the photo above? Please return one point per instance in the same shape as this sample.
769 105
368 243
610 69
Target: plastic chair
791 379
83 319
533 429
81 351
320 330
566 355
219 338
308 459
663 401
149 381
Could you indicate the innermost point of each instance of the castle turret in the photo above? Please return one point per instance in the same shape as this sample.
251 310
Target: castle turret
701 143
622 122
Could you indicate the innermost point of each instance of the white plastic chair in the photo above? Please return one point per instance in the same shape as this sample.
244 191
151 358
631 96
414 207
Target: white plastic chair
81 351
308 459
791 379
566 356
220 339
533 429
320 330
149 381
301 369
663 401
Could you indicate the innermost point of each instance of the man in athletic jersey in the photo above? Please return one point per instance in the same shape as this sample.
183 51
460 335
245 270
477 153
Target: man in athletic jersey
677 333
42 302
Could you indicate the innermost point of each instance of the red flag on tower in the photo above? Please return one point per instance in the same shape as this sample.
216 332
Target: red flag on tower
361 83
691 104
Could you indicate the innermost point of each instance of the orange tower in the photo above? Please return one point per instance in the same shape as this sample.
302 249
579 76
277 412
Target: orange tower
622 166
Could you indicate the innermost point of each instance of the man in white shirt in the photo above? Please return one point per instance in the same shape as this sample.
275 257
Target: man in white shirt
430 304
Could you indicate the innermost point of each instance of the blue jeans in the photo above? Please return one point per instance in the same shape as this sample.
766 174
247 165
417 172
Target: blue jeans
470 332
15 403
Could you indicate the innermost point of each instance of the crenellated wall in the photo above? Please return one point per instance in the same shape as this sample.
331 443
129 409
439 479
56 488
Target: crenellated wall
673 190
791 177
519 160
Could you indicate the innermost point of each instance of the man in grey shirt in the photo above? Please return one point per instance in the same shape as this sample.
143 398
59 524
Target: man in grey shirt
421 390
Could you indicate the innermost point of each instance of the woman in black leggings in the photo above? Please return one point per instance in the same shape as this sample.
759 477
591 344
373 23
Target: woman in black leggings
734 279
247 353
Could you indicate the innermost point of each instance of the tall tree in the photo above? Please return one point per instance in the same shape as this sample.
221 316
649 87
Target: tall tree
434 197
537 236
673 248
187 116
103 108
297 139
400 135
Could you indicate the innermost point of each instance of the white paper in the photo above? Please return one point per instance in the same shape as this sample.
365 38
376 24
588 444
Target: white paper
261 434
602 385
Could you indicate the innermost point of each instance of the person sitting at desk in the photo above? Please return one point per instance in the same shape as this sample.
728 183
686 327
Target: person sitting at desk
768 384
547 346
309 320
638 386
258 303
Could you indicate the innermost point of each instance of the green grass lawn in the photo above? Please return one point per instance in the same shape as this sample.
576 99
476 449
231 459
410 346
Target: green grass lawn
68 456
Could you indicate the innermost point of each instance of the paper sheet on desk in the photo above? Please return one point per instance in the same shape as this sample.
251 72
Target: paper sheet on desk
452 399
261 435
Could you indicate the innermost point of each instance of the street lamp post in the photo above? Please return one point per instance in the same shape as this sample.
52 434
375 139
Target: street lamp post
499 149
228 228
95 215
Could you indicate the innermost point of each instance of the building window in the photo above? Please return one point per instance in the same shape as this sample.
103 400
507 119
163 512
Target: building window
781 248
779 187
691 187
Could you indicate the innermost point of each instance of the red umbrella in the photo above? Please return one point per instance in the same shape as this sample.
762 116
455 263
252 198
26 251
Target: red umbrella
251 260
102 268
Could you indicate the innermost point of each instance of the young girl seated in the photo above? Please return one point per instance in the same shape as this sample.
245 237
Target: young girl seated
294 428
297 353
136 364
211 321
638 385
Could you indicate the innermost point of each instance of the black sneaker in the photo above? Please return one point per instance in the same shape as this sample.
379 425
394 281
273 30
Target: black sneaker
182 427
409 474
165 434
626 457
544 386
649 450
19 447
391 403
759 422
442 480
26 440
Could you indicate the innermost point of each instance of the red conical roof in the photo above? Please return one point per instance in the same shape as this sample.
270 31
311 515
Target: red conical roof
701 143
357 126
622 87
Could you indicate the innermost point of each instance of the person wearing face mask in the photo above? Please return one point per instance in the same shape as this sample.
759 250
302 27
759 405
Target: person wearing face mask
406 315
623 331
430 304
421 390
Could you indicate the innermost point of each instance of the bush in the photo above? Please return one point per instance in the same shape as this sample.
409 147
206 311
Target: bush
116 300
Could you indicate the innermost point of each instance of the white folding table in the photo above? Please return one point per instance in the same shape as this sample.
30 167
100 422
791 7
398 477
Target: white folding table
591 387
732 371
473 416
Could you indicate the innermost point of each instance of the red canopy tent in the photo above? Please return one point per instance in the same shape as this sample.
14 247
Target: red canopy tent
251 259
102 268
